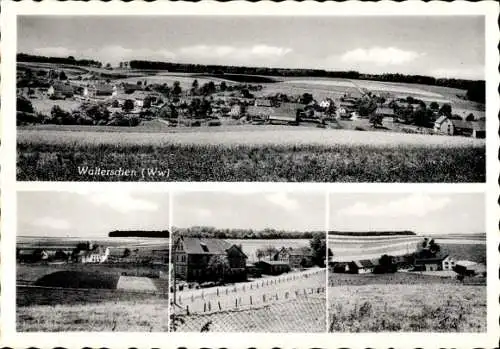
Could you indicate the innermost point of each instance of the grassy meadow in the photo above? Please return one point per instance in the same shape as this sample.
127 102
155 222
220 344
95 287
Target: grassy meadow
407 308
295 156
126 315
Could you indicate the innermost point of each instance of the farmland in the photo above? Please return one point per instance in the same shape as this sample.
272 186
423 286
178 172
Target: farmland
131 313
306 155
296 299
407 308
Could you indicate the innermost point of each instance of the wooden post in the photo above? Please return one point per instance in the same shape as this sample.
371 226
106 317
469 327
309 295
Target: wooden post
217 292
251 300
219 305
187 309
204 307
226 291
264 298
236 302
209 306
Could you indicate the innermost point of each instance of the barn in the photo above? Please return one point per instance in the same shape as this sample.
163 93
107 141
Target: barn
273 267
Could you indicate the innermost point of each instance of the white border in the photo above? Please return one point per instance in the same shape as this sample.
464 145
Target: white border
230 340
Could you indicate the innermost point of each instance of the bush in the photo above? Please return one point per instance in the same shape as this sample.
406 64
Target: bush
24 105
214 123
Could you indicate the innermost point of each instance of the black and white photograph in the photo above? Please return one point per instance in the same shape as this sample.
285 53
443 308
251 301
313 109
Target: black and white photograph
92 261
248 262
410 262
251 98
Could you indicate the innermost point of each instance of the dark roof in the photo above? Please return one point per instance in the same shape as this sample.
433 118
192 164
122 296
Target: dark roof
479 125
63 88
205 245
461 124
364 263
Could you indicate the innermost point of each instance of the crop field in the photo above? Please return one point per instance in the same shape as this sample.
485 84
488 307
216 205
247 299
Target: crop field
292 302
407 308
348 248
400 278
471 252
298 315
27 274
296 155
129 312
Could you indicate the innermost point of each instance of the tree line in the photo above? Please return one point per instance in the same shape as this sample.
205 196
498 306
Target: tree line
371 233
24 57
269 233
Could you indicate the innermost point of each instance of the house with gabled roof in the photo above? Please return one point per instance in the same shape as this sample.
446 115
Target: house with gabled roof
301 257
193 256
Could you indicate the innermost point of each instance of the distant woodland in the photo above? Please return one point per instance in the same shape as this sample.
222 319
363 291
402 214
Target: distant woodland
371 233
212 232
140 233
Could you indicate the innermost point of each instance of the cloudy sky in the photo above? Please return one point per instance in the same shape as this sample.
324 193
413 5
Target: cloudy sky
438 46
89 214
422 213
278 210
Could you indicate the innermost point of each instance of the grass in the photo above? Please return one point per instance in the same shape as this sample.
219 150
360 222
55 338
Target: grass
407 308
471 252
342 279
298 315
29 273
211 158
126 315
79 279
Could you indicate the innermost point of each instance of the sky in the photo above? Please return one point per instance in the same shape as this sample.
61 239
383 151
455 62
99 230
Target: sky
439 46
90 213
418 212
277 210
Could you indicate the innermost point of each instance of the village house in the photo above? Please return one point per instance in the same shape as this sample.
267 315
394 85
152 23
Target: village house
273 267
448 263
263 102
98 254
363 266
295 257
469 268
385 112
58 90
192 257
430 264
99 90
456 126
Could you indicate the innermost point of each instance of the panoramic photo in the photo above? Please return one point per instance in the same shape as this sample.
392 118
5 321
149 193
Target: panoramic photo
248 262
407 262
247 98
107 273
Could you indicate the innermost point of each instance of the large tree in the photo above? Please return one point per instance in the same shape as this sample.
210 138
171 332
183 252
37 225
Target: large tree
318 247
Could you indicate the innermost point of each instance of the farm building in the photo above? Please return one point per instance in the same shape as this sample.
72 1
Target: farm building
60 91
97 254
273 267
295 257
469 268
455 126
193 256
385 112
262 113
363 266
99 90
339 267
263 102
448 263
430 264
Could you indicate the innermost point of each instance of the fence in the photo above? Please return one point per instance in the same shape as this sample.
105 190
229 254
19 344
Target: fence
305 313
252 294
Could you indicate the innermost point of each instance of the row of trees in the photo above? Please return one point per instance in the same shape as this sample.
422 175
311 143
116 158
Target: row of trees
24 57
212 232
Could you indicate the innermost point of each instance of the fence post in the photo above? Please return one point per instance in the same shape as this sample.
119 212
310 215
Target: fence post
219 305
264 298
240 301
204 307
236 302
187 309
251 300
209 306
217 292
192 298
226 291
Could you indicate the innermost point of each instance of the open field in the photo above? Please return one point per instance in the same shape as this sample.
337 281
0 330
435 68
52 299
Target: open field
125 314
399 278
27 274
298 155
471 252
407 308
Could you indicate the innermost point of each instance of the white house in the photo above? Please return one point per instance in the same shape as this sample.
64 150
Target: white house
448 263
96 255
